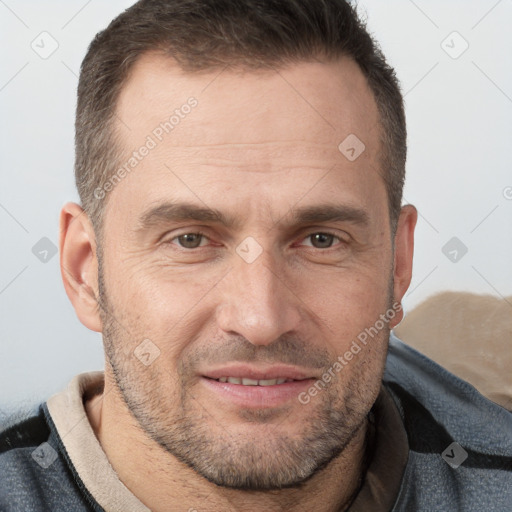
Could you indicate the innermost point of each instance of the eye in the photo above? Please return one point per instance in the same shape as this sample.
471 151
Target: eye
189 240
319 240
322 240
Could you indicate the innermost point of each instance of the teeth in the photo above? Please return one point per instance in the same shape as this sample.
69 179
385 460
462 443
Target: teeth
269 382
253 382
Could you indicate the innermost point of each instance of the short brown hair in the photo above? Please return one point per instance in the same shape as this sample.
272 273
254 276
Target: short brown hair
205 35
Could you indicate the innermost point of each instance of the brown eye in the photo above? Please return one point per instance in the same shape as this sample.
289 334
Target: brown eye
190 240
322 240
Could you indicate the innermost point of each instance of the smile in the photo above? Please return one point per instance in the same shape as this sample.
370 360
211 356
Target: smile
253 382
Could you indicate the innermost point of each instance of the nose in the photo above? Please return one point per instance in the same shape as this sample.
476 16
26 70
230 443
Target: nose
259 302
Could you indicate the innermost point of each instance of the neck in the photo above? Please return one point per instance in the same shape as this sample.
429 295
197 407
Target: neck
158 479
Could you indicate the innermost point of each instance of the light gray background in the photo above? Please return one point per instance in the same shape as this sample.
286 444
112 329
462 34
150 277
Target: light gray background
459 114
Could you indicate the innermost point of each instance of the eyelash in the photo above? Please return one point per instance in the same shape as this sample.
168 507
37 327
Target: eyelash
200 233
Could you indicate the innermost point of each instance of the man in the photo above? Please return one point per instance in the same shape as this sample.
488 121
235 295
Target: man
242 247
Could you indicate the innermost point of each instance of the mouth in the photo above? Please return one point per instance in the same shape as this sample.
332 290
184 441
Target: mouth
246 381
256 388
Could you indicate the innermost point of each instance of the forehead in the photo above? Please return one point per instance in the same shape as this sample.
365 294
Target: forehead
331 99
263 133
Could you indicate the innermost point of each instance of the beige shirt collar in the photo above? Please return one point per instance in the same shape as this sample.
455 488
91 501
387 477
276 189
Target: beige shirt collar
84 450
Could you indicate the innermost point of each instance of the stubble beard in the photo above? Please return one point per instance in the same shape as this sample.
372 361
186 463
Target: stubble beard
258 459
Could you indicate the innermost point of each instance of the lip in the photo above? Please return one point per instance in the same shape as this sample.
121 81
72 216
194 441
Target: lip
257 397
257 373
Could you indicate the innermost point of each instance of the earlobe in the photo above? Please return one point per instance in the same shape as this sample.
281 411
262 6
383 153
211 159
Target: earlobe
404 250
79 265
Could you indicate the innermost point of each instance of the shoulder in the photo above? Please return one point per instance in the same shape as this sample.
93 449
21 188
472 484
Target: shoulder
34 475
23 429
460 443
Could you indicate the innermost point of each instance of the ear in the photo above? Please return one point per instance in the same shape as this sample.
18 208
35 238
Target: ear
79 264
404 249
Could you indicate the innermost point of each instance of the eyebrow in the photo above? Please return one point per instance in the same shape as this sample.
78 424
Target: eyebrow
167 213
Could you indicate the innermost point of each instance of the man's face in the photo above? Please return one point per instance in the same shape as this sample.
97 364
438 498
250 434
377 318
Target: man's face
272 295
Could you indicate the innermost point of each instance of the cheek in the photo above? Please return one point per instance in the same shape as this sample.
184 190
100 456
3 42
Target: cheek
171 297
152 289
166 307
348 299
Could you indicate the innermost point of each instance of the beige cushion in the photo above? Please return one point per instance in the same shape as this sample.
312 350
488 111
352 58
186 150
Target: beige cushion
470 335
